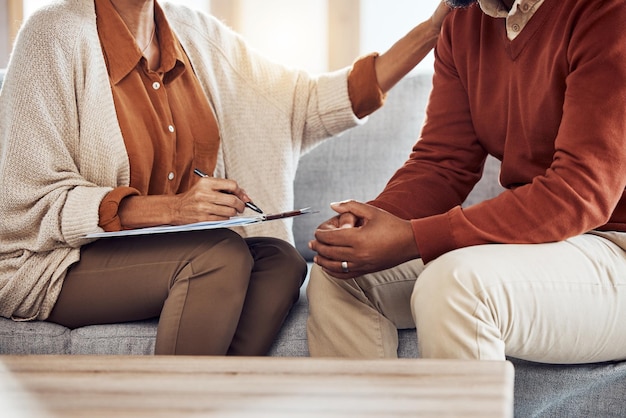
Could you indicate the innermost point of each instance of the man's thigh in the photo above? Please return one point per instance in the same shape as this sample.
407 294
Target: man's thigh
558 302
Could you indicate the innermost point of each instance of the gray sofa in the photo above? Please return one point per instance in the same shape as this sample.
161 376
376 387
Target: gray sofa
356 165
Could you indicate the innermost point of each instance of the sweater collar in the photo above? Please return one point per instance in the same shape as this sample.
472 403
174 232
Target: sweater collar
517 18
495 8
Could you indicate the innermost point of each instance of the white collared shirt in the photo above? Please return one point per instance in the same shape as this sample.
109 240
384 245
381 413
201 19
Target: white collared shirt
516 18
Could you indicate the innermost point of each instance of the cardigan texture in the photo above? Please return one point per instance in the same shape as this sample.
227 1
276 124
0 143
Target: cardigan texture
550 105
61 149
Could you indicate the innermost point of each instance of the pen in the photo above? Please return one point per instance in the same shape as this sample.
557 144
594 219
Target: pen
248 204
287 214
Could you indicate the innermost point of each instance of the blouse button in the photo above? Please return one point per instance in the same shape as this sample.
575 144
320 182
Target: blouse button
170 176
526 7
156 85
171 128
515 27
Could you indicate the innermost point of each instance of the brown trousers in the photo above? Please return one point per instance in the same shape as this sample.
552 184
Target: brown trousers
214 292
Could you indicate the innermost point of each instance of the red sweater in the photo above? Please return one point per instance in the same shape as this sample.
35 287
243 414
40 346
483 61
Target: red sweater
551 105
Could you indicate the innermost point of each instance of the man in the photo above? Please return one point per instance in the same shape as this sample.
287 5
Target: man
537 273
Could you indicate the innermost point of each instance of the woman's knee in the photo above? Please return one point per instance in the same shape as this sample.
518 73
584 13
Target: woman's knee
290 258
223 254
279 255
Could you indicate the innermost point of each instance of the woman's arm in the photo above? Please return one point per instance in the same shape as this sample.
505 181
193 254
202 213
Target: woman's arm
410 50
210 199
373 76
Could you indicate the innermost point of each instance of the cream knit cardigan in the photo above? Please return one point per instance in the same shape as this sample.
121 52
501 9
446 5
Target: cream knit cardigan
61 148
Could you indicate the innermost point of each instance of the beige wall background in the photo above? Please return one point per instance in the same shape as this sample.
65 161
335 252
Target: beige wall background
341 15
317 35
10 19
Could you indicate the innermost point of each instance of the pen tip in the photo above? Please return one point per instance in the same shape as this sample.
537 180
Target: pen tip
254 207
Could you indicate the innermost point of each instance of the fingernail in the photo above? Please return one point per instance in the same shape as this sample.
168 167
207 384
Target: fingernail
340 203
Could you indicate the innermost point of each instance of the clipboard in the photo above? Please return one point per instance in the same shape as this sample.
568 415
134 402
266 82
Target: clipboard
199 226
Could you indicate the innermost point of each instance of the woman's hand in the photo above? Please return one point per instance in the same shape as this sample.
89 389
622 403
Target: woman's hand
210 199
437 18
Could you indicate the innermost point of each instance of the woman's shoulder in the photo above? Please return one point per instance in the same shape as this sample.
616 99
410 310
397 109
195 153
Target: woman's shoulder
61 16
198 26
52 43
57 24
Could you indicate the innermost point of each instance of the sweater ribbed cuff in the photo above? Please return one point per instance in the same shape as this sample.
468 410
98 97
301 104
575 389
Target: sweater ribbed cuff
433 236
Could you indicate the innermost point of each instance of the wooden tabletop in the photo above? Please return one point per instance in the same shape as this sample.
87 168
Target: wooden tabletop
160 386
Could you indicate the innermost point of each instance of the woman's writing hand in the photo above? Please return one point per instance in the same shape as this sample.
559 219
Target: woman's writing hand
210 199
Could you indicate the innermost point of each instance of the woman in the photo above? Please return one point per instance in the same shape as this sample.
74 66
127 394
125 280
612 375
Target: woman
106 110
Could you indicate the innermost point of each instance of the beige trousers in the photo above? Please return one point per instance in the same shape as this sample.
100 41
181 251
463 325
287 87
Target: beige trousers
557 303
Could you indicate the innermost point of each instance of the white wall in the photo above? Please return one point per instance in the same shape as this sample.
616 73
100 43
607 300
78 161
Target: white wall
32 5
4 35
295 32
385 21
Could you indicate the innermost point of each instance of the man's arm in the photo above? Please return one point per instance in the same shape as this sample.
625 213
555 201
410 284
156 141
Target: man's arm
362 239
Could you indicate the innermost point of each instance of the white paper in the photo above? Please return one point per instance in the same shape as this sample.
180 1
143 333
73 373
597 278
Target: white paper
232 222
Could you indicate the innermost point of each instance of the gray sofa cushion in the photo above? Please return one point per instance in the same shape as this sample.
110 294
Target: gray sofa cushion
291 341
586 390
133 338
33 338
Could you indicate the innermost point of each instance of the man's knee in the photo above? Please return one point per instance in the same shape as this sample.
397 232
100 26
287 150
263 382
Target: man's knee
322 286
443 280
318 281
454 309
